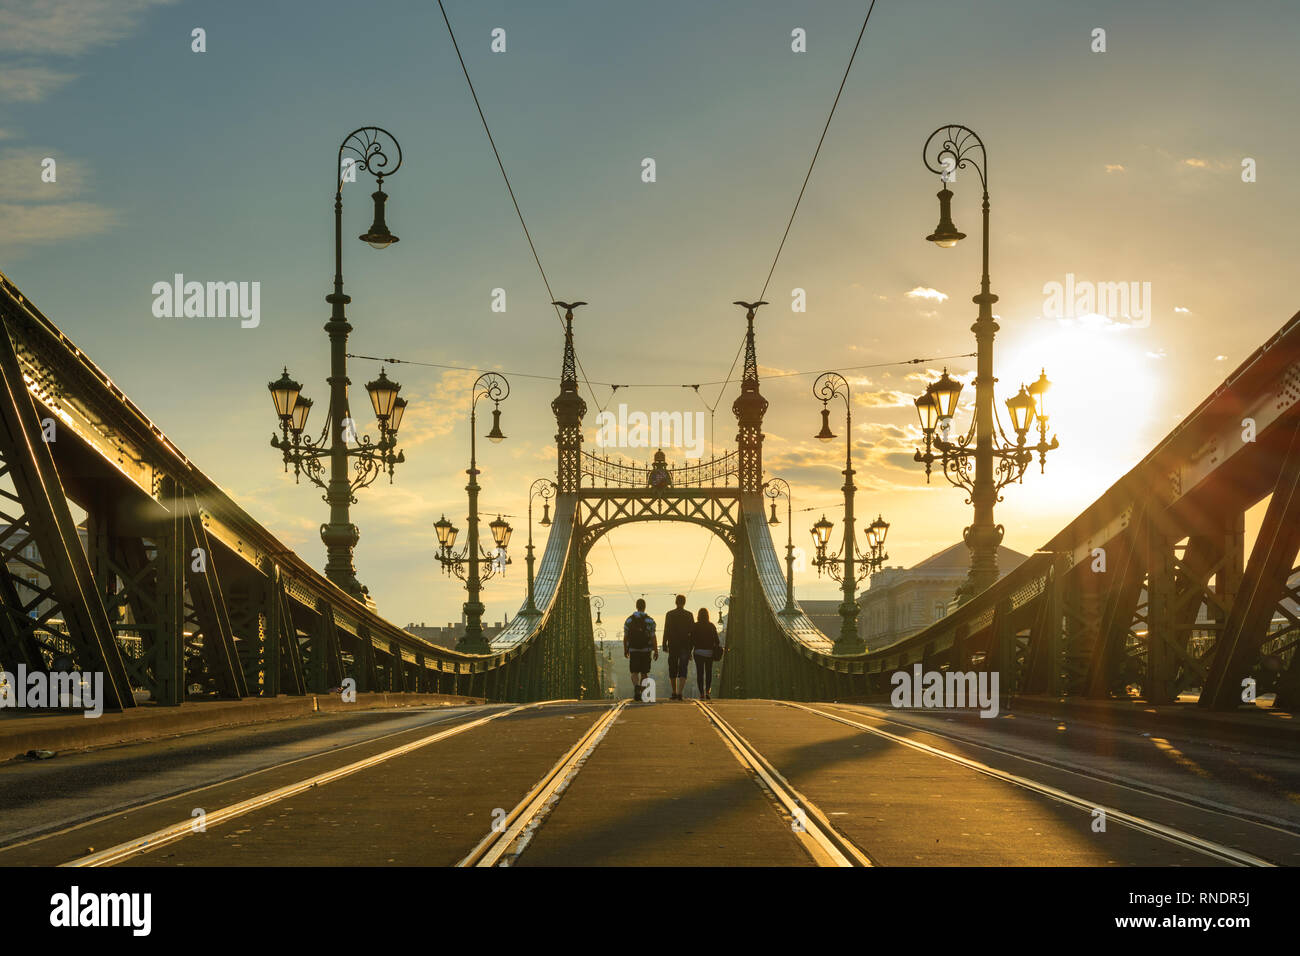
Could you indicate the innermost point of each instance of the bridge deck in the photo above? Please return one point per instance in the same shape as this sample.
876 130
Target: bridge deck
666 783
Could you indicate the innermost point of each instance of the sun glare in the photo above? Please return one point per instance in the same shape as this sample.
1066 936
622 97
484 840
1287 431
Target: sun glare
1102 405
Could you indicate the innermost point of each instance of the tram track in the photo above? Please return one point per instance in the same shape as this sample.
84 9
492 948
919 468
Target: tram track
818 837
32 836
176 831
511 834
1168 834
1238 814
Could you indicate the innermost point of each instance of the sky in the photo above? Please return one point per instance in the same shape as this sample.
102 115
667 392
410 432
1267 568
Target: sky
1122 165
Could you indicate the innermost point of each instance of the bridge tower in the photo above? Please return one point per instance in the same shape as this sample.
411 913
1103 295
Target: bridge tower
749 409
569 408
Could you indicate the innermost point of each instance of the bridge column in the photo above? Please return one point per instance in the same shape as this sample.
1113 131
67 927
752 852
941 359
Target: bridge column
959 656
1271 561
1120 587
1043 656
1162 625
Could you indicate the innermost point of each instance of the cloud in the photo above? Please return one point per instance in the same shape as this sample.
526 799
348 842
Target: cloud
37 212
436 412
883 398
1114 168
29 84
1179 308
51 222
922 292
67 27
1196 163
23 181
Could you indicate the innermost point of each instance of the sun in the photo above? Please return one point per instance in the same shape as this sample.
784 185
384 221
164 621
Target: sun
1103 404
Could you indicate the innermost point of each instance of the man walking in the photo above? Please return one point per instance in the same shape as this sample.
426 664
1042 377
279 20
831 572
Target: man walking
677 641
638 644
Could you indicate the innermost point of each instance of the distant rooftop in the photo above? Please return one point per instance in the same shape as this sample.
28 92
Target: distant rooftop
958 556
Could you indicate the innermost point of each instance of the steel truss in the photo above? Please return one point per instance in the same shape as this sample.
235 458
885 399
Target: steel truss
1150 591
165 586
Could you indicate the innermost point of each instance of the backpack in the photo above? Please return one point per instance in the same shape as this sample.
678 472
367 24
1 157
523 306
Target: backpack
638 635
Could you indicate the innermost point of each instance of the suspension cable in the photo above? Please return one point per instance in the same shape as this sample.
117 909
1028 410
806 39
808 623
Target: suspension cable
509 188
807 176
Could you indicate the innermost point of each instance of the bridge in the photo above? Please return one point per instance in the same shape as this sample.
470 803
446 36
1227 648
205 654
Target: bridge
1121 693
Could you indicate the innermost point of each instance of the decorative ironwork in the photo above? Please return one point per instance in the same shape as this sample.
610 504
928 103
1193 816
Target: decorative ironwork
371 145
602 510
954 151
609 472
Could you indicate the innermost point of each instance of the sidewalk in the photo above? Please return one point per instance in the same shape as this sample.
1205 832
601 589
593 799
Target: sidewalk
21 731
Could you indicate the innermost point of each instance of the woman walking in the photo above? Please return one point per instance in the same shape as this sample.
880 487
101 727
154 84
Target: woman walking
704 638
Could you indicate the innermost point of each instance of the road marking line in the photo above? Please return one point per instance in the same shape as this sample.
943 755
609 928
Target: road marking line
489 850
177 831
1170 834
826 845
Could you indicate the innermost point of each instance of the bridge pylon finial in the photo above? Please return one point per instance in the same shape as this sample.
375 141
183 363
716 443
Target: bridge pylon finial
749 410
569 409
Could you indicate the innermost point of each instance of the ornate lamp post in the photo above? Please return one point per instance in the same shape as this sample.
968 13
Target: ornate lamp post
598 603
476 564
721 602
997 460
774 489
841 565
379 154
605 657
545 489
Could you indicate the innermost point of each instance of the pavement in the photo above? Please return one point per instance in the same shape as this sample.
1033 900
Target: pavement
24 731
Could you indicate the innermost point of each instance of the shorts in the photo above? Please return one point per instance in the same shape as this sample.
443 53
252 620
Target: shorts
678 662
639 662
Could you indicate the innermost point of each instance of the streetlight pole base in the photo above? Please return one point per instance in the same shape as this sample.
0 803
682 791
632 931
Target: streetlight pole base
849 645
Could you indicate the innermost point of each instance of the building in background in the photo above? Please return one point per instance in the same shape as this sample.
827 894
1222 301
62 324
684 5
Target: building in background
901 601
453 632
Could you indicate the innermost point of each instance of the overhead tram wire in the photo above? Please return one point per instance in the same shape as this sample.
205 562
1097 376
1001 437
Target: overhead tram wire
613 554
807 176
707 544
509 188
391 360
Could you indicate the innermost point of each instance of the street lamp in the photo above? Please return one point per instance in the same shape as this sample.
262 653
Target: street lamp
378 153
876 533
475 564
774 489
722 602
598 603
545 489
830 385
997 460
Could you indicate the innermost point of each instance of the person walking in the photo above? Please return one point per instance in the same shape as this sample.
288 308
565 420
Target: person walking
704 638
677 641
638 645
